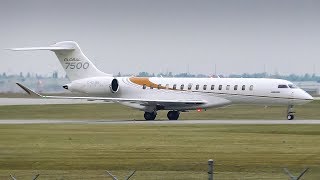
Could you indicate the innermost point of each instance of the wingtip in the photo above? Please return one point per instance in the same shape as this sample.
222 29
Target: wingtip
24 88
9 49
29 91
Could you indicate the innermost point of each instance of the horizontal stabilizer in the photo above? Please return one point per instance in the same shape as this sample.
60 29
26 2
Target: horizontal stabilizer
51 48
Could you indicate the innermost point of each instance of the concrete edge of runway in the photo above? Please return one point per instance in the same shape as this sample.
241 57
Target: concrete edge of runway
234 122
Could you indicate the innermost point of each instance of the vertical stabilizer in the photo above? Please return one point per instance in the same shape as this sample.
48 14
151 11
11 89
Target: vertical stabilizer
72 59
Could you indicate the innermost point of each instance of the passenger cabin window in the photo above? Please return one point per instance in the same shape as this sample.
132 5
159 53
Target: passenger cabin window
197 87
212 87
204 87
159 86
235 87
144 86
251 88
282 86
174 87
182 87
227 87
243 87
220 87
189 86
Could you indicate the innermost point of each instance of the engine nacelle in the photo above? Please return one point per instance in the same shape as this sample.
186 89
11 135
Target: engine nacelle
94 86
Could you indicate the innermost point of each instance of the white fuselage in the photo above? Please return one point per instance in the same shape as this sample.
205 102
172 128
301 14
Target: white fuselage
216 92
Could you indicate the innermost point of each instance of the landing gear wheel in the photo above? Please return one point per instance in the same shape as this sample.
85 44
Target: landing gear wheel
290 112
150 115
290 116
173 115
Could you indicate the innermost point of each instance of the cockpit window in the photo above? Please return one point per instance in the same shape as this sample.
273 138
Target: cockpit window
282 86
292 86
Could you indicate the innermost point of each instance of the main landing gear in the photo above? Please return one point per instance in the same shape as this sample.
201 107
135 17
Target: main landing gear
172 115
290 112
150 115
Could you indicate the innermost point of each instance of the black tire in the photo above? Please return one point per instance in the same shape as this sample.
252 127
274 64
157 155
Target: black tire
173 115
290 117
150 116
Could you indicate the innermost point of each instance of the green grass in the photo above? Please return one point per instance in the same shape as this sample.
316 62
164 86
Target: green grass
76 151
117 111
79 151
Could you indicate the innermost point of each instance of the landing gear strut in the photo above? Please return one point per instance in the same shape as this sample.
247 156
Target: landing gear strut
173 115
150 115
290 112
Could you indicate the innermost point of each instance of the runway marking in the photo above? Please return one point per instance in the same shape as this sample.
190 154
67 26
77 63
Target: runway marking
235 122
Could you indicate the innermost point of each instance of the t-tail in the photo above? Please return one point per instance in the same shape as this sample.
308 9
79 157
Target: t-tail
74 62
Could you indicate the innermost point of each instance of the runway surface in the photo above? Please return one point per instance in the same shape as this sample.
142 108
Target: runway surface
248 122
35 101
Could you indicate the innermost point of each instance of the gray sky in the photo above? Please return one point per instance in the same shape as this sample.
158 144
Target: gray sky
166 35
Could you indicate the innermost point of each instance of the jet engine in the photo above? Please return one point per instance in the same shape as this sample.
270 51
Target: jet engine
94 86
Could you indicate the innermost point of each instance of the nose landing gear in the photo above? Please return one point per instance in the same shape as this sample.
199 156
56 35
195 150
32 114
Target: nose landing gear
290 112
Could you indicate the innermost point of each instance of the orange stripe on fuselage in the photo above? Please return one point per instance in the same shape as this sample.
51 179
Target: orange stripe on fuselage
144 81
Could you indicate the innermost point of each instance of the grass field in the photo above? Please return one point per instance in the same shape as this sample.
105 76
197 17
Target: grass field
158 151
80 151
117 111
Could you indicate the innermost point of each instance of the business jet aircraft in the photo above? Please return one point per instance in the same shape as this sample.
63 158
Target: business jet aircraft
174 94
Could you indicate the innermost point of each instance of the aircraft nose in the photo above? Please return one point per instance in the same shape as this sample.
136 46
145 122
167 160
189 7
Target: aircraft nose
302 97
308 96
305 96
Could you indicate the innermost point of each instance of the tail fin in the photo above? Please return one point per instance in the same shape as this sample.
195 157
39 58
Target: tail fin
73 61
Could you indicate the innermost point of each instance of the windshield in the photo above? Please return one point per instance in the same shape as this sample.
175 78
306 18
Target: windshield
292 86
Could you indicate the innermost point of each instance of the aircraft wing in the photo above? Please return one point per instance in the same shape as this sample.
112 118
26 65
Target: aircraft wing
143 102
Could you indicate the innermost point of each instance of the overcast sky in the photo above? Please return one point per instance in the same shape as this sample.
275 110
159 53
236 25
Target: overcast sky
166 35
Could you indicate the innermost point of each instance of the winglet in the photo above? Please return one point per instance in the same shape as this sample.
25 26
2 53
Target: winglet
29 91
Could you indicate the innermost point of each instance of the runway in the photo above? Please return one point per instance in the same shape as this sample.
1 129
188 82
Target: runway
35 101
166 122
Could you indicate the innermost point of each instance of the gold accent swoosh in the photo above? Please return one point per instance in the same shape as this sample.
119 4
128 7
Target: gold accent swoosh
145 81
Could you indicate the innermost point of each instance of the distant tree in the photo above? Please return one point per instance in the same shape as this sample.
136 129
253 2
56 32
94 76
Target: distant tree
38 76
291 77
55 75
306 77
144 74
184 75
